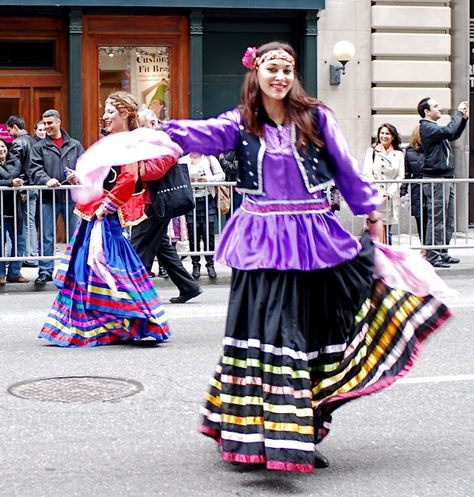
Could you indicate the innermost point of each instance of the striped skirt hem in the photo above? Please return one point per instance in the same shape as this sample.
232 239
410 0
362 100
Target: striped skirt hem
278 382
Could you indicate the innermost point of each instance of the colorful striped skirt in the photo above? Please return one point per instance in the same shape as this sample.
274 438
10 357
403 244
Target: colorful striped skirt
86 312
300 344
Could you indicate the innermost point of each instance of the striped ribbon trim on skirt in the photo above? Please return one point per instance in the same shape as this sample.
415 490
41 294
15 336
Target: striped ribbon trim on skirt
86 312
279 379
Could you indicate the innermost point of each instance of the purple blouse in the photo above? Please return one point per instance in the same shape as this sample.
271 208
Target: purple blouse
287 227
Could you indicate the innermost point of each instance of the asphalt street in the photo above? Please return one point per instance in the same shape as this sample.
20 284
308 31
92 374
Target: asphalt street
414 439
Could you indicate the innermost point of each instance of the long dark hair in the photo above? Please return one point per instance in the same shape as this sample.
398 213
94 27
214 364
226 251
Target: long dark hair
299 105
396 142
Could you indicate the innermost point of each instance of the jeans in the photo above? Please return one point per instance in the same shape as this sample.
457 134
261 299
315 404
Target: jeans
28 212
14 267
48 231
440 217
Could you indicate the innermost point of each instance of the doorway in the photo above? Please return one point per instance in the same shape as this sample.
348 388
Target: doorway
144 55
29 103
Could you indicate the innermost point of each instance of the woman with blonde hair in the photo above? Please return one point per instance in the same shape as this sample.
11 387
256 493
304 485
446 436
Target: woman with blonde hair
414 160
105 295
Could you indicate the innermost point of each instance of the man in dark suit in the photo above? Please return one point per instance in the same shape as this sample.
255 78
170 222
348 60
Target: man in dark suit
439 163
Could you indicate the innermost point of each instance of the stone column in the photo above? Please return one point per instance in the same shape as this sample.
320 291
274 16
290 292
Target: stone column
460 92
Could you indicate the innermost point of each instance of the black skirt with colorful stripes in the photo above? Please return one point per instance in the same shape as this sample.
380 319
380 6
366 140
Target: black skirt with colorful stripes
300 344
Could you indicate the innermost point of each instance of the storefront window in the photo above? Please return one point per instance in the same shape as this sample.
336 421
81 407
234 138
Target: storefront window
142 71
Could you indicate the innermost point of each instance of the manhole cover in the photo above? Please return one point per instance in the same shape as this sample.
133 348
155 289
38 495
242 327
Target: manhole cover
75 389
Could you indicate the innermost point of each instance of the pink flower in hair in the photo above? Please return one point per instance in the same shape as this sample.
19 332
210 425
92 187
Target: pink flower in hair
248 60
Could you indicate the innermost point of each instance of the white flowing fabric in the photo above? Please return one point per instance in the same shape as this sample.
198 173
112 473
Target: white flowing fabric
96 258
407 270
116 149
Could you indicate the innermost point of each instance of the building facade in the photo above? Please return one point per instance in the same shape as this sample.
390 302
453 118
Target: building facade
182 58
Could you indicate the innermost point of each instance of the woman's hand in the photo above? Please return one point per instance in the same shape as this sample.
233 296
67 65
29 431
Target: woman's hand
374 226
100 213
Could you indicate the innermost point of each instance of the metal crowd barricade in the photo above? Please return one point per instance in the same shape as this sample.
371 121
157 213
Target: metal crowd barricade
205 190
23 207
404 233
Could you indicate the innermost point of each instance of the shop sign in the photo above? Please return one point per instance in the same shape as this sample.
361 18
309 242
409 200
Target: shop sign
142 71
151 79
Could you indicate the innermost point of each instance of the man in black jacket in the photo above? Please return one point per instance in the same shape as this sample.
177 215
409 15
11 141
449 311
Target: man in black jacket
21 149
53 161
439 163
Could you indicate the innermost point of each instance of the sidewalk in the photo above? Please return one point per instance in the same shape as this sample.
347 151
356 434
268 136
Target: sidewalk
466 266
223 278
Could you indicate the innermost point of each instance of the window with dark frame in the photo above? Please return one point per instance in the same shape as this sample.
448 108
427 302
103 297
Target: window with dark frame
27 54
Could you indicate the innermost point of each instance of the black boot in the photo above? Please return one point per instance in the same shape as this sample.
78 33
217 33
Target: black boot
196 270
162 272
211 270
319 460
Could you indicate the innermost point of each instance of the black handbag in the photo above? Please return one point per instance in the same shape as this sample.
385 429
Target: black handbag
172 195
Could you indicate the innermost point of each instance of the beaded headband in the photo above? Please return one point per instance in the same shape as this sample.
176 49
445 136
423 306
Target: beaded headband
251 61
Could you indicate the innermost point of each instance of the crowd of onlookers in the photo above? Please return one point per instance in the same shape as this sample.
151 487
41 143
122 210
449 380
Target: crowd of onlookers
48 157
428 156
28 218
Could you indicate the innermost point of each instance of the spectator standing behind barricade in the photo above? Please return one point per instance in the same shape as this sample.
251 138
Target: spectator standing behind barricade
148 119
53 161
414 159
384 161
202 221
439 163
21 149
10 171
230 165
40 130
39 134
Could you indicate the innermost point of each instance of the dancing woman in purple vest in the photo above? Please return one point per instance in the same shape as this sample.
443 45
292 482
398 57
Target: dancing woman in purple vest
309 326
